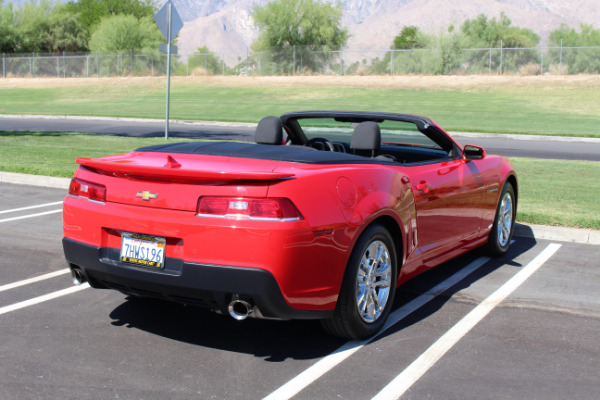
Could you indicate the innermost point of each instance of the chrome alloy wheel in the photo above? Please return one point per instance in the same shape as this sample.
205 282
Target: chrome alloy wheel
373 281
505 219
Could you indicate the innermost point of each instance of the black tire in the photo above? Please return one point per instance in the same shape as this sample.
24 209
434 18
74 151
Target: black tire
504 222
360 319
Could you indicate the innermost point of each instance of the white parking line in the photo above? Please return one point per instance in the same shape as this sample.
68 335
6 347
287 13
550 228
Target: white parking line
41 299
311 374
397 387
31 207
24 282
30 216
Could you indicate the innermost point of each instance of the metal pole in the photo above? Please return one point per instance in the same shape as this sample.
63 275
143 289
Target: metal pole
294 64
247 59
131 55
560 65
4 65
168 68
392 61
542 64
490 63
342 58
500 57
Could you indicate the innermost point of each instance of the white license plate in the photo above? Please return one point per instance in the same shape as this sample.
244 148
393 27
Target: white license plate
145 250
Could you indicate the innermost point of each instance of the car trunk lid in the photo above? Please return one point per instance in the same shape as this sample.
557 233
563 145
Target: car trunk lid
177 181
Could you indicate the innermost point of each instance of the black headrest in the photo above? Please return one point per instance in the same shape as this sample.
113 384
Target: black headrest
366 136
269 131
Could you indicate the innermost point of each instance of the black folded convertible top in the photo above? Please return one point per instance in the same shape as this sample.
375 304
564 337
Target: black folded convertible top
297 154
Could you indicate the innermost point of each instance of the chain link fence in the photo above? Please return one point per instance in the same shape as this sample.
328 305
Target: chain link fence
305 60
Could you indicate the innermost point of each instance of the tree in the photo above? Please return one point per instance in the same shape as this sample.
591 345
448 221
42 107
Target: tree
588 36
31 22
42 26
125 32
582 60
297 29
437 54
8 31
64 32
207 60
409 38
495 33
92 11
447 51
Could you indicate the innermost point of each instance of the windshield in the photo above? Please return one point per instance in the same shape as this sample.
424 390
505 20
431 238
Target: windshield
392 132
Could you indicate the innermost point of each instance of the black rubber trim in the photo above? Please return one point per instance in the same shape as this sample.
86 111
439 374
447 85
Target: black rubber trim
204 285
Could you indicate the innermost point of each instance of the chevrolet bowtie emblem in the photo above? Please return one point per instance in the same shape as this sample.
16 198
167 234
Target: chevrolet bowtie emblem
146 195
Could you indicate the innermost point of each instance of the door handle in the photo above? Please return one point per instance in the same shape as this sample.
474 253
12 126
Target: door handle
423 187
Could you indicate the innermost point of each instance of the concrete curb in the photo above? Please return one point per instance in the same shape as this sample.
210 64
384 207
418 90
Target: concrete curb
566 139
556 233
128 119
34 180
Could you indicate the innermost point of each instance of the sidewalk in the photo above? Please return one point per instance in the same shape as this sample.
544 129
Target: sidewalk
557 233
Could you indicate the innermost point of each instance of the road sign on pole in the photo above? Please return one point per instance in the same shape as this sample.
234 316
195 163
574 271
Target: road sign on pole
169 22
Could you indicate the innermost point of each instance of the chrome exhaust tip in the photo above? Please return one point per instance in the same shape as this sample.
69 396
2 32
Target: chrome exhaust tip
77 276
239 309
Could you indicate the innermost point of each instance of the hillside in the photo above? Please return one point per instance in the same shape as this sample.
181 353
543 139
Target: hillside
225 26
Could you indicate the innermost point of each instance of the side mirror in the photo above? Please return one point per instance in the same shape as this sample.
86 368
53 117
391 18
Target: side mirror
472 152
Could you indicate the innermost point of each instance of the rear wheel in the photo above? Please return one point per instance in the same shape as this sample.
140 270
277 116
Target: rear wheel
368 287
504 222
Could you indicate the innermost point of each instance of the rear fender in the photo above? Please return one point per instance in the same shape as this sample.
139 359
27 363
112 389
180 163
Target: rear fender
382 207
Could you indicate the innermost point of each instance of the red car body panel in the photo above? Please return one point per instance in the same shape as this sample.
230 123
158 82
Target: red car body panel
434 211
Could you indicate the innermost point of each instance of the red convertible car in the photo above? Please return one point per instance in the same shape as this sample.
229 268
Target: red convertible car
323 217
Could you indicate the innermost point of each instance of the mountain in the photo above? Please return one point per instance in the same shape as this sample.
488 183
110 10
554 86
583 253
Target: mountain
226 26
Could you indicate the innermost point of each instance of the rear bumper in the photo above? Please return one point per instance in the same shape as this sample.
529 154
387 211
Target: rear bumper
204 285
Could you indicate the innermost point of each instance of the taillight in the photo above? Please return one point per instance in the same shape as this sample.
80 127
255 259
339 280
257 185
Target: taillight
92 191
252 208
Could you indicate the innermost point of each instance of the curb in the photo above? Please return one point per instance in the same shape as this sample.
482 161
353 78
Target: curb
129 119
543 232
558 233
34 180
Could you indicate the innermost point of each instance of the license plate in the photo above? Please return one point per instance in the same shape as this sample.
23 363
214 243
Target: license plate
145 250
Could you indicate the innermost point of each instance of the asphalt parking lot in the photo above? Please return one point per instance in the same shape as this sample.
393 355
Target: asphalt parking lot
525 326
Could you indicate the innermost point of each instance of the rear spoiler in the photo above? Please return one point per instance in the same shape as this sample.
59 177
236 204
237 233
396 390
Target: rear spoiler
173 170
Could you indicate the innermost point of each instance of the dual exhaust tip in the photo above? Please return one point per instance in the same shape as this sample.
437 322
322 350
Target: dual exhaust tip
239 309
78 276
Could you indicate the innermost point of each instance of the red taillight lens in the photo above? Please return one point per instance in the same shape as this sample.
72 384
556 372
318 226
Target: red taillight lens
236 207
92 191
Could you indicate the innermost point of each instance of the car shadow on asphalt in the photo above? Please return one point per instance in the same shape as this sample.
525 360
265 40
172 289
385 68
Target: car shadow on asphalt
276 341
426 281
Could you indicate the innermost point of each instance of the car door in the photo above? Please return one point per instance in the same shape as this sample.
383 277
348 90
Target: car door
449 198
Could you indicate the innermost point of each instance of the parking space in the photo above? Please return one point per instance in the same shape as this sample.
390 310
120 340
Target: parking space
449 336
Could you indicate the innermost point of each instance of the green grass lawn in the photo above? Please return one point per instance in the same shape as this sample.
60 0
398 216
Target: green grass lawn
557 110
550 192
558 192
54 153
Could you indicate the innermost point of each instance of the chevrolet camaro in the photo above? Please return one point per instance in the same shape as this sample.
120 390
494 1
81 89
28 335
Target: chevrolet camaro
323 216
